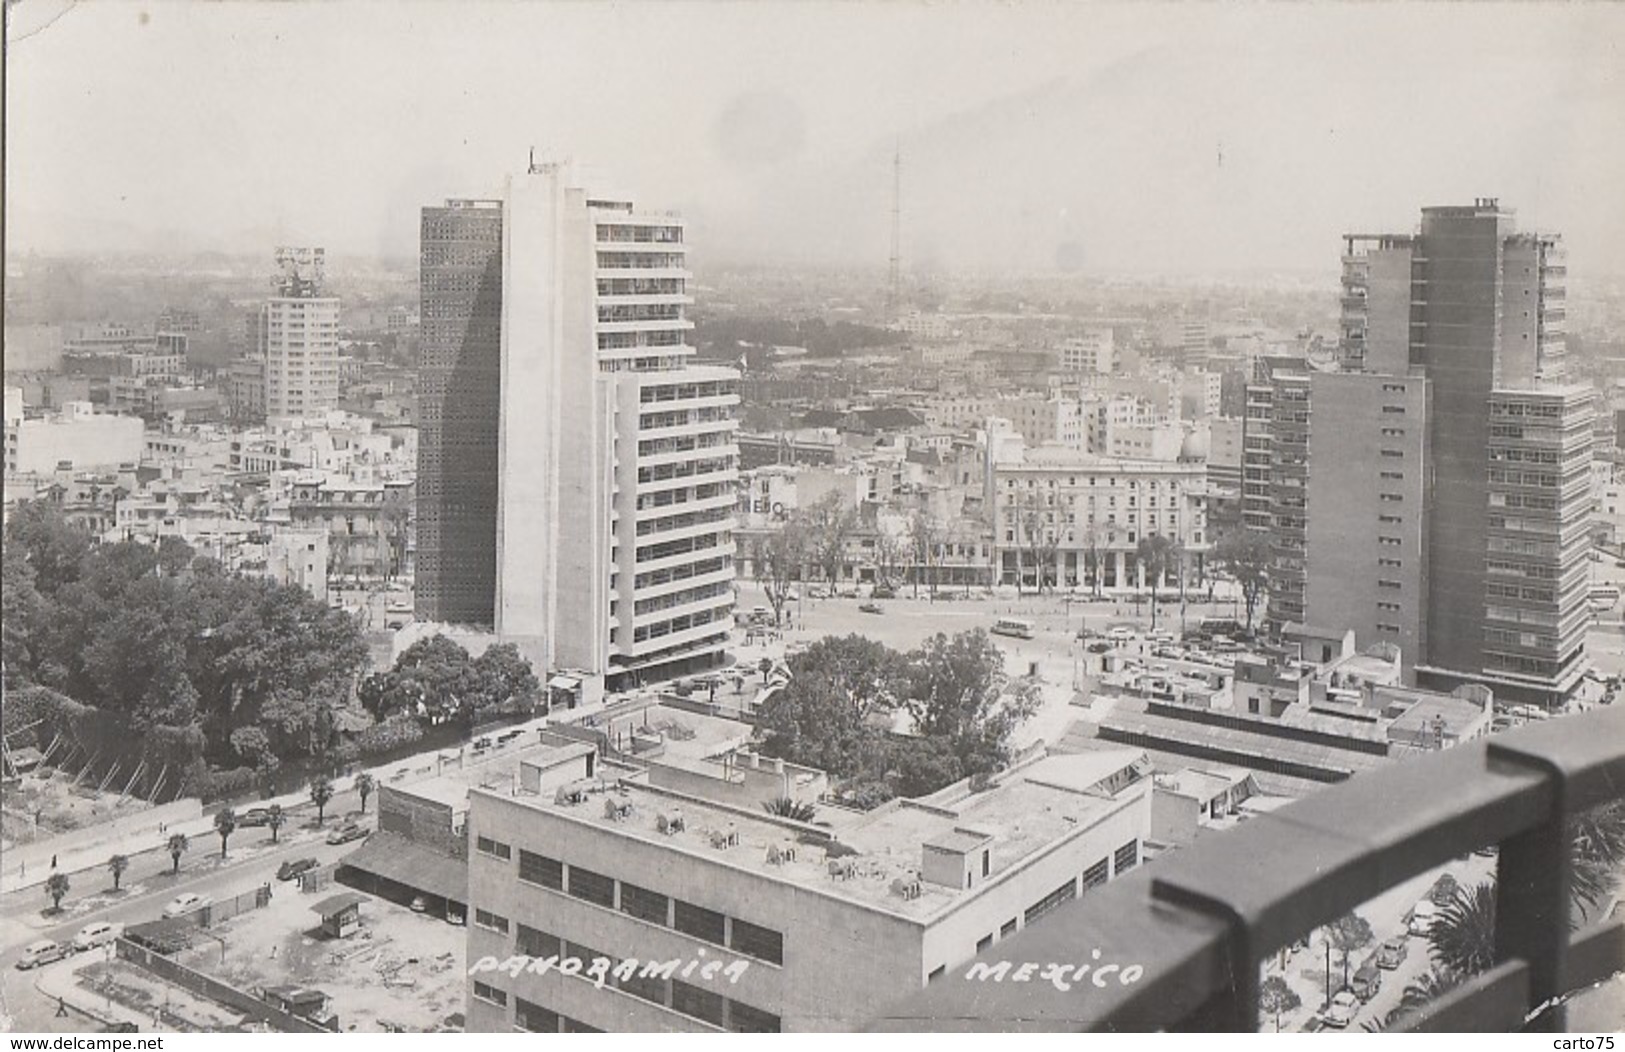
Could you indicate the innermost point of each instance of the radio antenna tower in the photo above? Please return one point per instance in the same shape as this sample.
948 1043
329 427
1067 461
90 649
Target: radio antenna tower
894 279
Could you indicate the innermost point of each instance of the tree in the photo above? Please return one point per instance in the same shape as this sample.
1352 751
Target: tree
1154 554
434 675
1037 540
890 551
776 560
321 792
116 866
364 784
923 539
21 612
178 846
958 691
503 677
1348 935
225 823
1419 993
1092 558
829 524
57 886
1462 936
818 717
785 807
275 819
1275 997
1244 556
52 547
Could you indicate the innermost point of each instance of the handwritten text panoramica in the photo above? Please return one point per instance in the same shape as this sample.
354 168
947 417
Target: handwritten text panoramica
600 970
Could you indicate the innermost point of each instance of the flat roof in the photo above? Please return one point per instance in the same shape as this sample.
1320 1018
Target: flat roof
1027 810
1177 733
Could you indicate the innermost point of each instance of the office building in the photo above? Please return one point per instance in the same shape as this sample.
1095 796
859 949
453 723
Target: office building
459 386
705 914
301 339
1500 495
1274 480
1091 351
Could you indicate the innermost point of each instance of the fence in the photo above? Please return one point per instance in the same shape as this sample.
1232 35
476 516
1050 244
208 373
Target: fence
215 990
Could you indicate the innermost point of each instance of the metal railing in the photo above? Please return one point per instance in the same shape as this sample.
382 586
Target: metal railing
1198 923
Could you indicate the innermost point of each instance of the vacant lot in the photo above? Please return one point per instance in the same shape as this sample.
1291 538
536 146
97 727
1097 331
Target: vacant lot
403 970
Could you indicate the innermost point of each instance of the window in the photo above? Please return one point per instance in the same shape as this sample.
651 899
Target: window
699 922
693 1001
534 1018
496 849
984 942
1127 857
593 887
744 1019
533 943
1096 874
539 869
937 973
490 993
643 903
488 920
1066 891
753 940
1008 928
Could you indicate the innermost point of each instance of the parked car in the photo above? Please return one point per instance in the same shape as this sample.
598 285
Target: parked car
1443 890
1367 981
346 833
420 904
1120 632
1099 648
1340 1013
254 816
482 743
295 866
1421 918
1391 954
186 902
883 591
39 953
871 608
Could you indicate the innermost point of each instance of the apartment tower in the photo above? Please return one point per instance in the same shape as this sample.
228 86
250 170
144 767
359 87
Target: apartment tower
301 339
1483 455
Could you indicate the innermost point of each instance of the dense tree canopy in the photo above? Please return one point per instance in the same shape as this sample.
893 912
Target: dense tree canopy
164 647
435 679
837 710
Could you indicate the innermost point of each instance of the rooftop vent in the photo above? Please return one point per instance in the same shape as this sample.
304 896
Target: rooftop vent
670 822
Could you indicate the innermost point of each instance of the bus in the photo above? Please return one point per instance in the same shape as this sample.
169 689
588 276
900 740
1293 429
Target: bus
1012 626
1604 596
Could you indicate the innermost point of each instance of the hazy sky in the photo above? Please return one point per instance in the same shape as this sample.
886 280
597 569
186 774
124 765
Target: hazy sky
1177 138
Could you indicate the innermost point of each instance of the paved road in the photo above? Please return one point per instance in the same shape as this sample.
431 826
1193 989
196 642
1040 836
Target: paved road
244 870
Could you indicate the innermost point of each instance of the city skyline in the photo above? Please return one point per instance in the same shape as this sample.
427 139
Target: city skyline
1175 142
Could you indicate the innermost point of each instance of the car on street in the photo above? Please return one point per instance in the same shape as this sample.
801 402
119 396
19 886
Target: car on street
186 902
883 591
254 816
295 866
1367 981
346 833
1340 1013
1120 632
1392 954
1420 921
40 953
1099 648
98 933
871 608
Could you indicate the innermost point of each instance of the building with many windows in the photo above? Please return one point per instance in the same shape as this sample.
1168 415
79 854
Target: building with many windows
301 339
602 901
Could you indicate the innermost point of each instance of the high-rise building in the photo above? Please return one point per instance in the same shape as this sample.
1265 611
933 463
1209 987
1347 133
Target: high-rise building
301 339
1492 481
611 452
1274 480
459 387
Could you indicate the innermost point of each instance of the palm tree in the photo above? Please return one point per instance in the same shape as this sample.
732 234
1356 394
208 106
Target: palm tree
364 784
116 866
785 807
1347 935
1422 991
178 845
321 791
225 823
56 886
275 819
1463 934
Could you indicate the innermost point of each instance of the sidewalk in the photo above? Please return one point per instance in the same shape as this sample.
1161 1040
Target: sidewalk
95 856
62 984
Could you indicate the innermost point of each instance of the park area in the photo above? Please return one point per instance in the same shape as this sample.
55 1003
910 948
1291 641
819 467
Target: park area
401 971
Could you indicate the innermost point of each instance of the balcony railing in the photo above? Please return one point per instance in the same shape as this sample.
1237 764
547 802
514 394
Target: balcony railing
1193 928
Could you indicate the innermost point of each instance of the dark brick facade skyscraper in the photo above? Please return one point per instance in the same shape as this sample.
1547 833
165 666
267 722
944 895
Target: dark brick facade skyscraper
459 386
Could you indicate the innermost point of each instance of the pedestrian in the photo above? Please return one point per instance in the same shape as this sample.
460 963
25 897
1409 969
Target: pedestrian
22 870
61 1007
53 861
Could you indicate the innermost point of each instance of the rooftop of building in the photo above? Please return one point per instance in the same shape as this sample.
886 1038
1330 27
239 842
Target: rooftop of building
872 859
